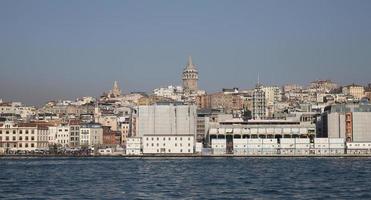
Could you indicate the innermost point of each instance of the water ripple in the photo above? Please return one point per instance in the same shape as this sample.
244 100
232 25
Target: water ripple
194 178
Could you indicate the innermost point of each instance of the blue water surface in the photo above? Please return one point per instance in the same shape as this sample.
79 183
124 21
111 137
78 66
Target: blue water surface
185 178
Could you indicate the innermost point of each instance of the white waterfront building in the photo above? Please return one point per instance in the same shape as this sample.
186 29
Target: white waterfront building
218 146
168 144
358 147
134 146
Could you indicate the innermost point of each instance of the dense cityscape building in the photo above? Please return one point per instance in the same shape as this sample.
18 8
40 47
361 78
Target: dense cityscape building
323 118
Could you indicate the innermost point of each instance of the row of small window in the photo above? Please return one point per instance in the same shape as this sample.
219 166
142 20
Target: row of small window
180 138
74 139
237 146
15 138
42 138
15 132
60 130
20 145
75 133
358 145
26 145
73 128
181 151
189 144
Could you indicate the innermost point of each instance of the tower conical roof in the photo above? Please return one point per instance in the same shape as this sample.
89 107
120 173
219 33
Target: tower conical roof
190 64
115 84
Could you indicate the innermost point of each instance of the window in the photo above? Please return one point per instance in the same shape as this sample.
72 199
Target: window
157 139
26 145
14 139
20 138
20 131
32 145
26 137
175 138
20 144
26 131
32 138
13 131
7 132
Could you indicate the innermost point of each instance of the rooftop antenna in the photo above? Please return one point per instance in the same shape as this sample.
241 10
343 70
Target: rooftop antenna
258 79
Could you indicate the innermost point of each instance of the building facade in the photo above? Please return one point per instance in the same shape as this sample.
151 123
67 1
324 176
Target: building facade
357 91
91 135
179 144
16 137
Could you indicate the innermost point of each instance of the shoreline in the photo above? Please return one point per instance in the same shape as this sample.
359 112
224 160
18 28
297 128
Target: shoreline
190 156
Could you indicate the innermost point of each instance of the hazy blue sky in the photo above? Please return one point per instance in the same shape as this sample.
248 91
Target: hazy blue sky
66 49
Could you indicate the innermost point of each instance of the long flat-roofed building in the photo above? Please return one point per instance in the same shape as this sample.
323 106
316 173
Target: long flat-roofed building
260 129
263 129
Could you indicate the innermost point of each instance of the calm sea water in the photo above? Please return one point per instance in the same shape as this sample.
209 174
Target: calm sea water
185 178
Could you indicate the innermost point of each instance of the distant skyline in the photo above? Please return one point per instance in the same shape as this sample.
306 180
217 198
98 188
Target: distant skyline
67 49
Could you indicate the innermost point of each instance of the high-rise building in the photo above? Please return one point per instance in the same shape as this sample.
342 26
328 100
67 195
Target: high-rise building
259 103
272 94
190 78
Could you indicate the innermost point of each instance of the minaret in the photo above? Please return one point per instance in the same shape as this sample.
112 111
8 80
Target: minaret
190 77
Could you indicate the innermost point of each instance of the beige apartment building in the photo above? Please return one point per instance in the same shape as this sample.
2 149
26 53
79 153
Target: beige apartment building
18 136
357 91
